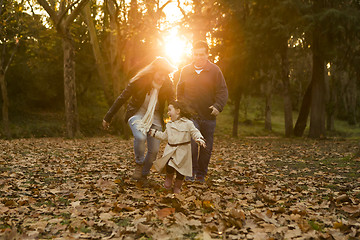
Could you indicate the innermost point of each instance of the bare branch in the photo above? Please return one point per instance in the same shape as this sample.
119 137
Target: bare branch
164 5
49 10
63 11
32 10
2 62
181 9
76 12
1 3
12 55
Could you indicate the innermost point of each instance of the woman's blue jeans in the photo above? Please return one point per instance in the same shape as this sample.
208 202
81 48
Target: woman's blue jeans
140 139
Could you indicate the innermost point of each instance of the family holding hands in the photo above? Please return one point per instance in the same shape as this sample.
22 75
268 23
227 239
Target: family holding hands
201 95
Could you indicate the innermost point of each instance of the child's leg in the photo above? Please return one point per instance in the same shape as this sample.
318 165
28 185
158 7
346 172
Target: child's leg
169 177
169 169
179 176
178 182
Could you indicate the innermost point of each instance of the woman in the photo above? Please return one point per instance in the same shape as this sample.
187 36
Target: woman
148 90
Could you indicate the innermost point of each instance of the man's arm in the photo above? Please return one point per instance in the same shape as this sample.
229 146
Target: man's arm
221 94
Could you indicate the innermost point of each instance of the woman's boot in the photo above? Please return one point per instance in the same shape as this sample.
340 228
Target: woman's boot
137 172
168 181
177 185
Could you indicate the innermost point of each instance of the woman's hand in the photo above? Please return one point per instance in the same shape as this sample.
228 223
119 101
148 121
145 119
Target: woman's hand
105 125
151 132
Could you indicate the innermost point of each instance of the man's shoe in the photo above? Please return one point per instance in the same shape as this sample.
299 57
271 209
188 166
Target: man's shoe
200 179
137 172
189 179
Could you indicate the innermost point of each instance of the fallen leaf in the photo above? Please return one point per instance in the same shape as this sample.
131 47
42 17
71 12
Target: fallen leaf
163 213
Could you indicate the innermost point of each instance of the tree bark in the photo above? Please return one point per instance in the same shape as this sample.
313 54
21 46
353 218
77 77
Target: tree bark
71 112
286 92
5 106
331 104
352 99
106 85
62 21
268 94
236 116
304 113
268 125
317 115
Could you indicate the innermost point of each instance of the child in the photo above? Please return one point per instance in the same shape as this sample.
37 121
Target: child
177 153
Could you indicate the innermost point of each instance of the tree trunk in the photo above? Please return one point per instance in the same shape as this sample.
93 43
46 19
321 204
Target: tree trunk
331 104
268 95
119 69
352 99
5 105
268 113
236 116
71 112
317 115
304 113
106 85
286 93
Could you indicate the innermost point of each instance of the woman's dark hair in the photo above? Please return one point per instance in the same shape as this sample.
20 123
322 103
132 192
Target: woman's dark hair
185 110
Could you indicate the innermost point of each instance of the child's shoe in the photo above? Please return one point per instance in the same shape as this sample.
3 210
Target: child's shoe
168 181
177 186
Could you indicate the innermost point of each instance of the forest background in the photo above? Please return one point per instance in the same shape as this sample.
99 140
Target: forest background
292 66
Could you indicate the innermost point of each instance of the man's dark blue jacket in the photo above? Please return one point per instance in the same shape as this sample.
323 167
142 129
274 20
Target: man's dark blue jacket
203 90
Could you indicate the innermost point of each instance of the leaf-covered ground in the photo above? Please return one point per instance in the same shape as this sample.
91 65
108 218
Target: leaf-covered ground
257 188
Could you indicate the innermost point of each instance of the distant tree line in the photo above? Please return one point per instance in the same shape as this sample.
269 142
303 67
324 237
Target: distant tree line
76 56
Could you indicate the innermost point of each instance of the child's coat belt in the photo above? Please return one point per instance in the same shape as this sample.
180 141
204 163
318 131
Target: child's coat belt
178 144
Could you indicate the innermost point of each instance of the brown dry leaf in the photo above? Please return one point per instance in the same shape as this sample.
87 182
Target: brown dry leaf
263 216
337 235
304 225
106 216
194 222
343 198
83 189
351 209
163 213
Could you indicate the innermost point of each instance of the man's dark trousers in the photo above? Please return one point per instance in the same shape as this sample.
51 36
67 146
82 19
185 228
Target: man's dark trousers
200 160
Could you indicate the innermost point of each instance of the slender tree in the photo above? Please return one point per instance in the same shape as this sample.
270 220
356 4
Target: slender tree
62 19
10 32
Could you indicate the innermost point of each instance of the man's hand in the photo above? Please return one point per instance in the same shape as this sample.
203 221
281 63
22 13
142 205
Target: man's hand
105 125
214 112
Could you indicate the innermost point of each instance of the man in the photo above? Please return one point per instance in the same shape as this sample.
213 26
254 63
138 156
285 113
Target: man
202 86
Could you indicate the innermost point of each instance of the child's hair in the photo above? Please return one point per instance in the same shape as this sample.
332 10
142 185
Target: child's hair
185 110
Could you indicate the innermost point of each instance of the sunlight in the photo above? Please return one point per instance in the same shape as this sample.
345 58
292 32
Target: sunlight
176 47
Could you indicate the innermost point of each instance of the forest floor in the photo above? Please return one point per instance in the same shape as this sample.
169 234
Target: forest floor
257 188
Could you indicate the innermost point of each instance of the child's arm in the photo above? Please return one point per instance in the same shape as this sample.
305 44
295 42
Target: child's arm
158 134
196 135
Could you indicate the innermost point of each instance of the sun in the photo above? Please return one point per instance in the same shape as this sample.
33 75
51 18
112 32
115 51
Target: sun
177 48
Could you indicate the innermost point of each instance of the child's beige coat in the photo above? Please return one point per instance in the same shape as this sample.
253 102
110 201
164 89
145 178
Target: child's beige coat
177 133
